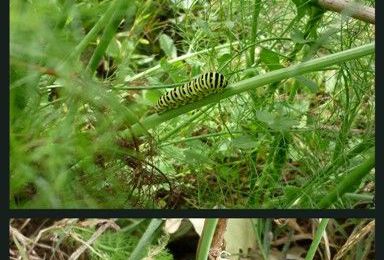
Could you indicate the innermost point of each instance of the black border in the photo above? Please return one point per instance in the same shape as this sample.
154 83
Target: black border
4 173
7 213
206 213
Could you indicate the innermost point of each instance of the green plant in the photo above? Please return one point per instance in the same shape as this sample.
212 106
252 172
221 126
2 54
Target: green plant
296 118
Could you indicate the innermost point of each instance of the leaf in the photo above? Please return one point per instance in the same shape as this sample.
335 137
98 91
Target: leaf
224 58
310 84
113 49
301 6
277 122
265 116
144 59
292 192
151 96
245 142
184 4
195 158
229 24
283 123
297 36
270 59
203 25
227 173
167 45
175 70
248 73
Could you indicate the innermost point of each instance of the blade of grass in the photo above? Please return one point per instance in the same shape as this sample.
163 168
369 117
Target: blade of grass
93 32
301 200
184 124
256 12
349 181
206 239
316 241
117 15
257 226
266 237
145 240
187 139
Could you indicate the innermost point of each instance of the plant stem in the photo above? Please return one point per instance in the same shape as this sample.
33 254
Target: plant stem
350 180
154 120
120 7
350 8
180 58
93 33
316 241
256 12
206 238
145 240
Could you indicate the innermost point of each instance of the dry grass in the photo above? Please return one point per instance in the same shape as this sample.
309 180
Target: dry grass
286 238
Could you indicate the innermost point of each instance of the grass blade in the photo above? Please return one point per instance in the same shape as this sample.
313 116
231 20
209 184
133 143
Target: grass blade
350 180
206 239
316 241
145 240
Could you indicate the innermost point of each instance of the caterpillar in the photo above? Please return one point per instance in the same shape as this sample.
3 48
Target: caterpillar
204 85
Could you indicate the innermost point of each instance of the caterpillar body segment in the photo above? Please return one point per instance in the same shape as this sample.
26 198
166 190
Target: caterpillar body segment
204 85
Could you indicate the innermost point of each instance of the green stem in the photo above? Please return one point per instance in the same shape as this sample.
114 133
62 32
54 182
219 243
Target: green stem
256 12
92 34
359 197
257 226
206 238
327 173
266 237
316 241
145 240
154 120
180 58
350 180
187 123
120 8
187 139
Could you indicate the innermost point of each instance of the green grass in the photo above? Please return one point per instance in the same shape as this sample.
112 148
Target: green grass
294 128
205 241
316 241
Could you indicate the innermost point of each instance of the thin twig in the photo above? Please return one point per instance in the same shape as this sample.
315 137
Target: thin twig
93 238
217 245
353 9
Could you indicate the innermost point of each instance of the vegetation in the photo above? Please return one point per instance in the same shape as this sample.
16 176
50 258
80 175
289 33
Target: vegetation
293 129
157 239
